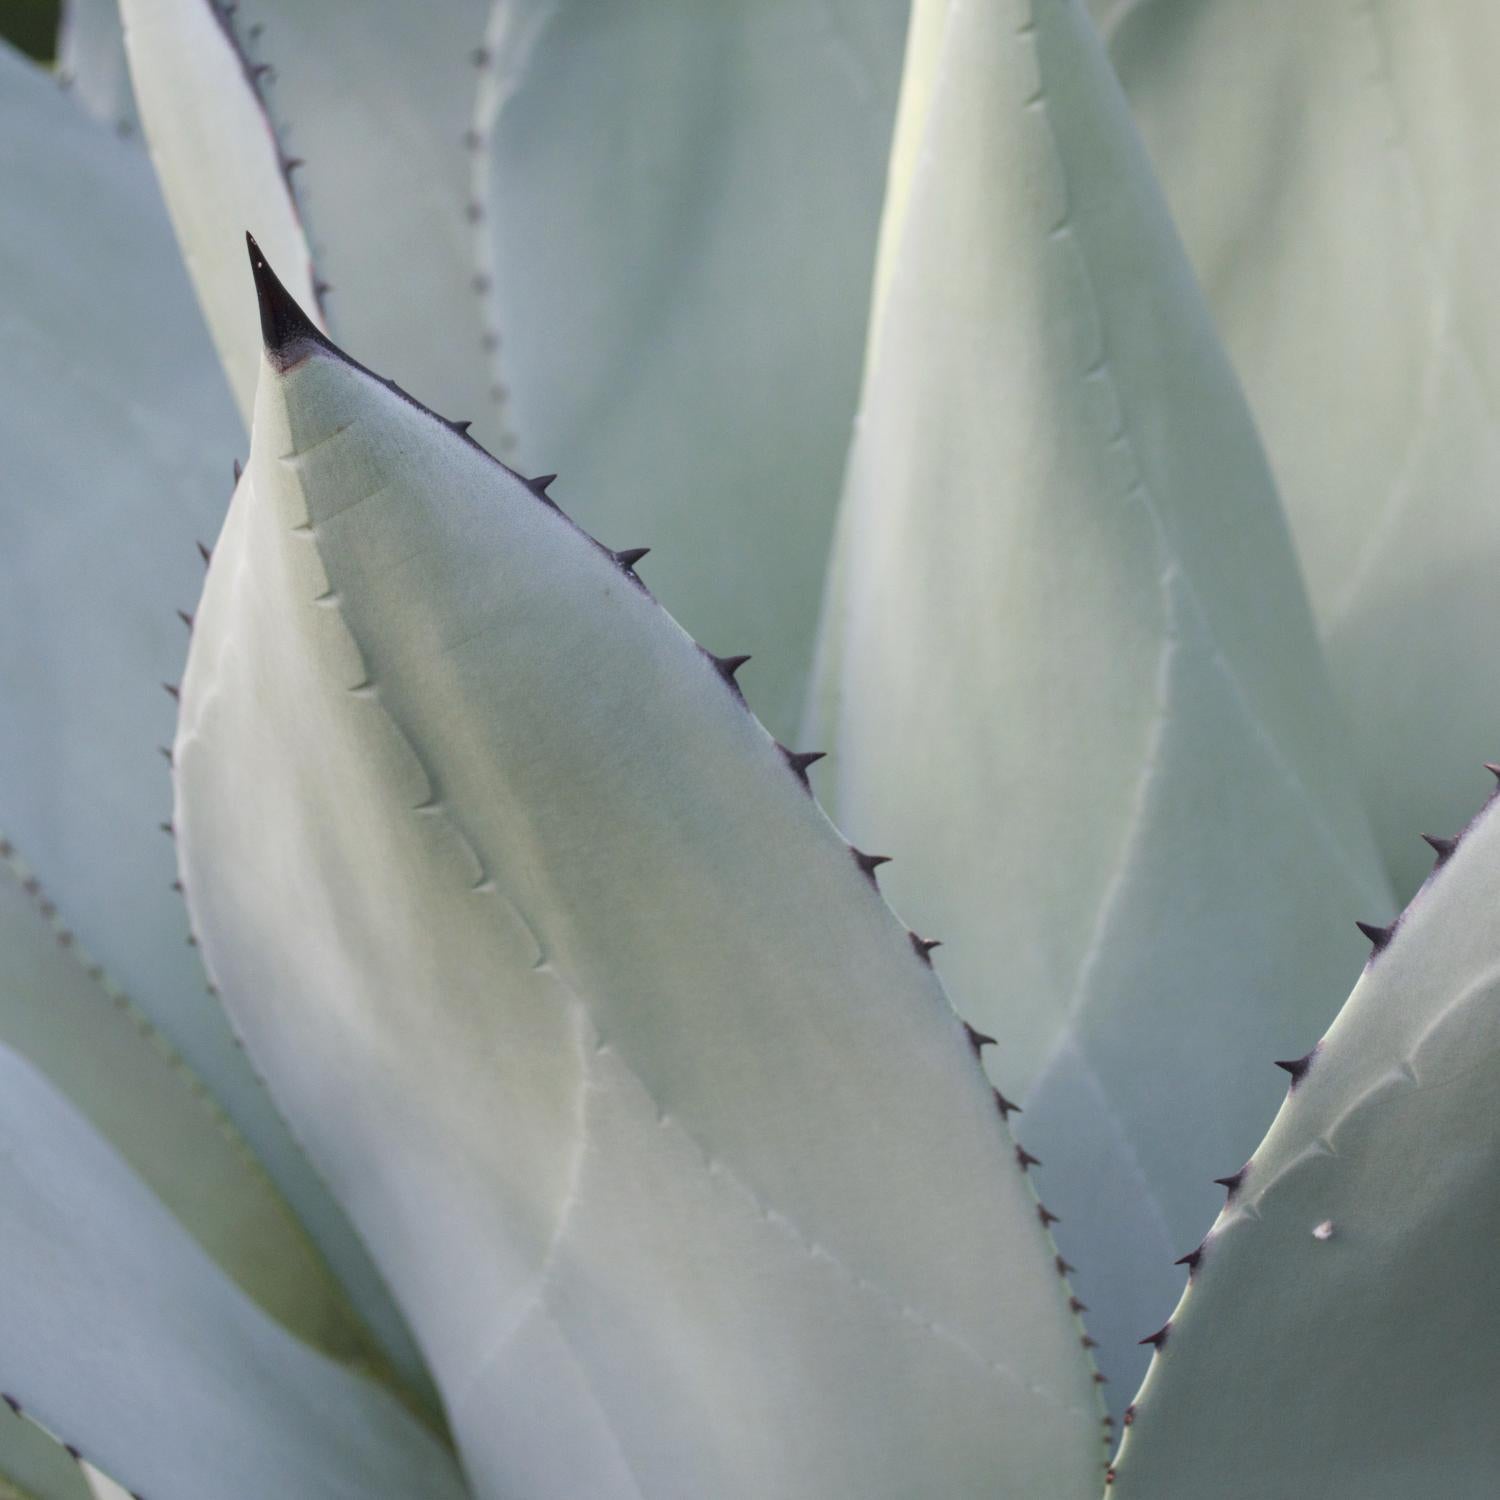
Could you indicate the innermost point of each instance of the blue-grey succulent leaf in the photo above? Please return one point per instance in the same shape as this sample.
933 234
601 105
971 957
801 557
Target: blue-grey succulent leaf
678 209
1337 1336
375 99
91 61
658 1122
1067 676
219 163
33 1466
58 1010
1331 169
122 1338
118 436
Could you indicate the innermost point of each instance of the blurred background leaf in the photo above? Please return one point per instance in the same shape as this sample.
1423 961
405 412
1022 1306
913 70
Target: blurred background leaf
31 25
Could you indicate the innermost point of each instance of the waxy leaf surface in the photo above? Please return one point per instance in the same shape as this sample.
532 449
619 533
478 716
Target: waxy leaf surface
1067 676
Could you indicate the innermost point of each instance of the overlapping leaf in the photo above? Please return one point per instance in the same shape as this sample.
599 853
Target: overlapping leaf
1340 1335
118 437
1067 675
1331 170
589 1016
121 1337
680 205
97 1049
219 164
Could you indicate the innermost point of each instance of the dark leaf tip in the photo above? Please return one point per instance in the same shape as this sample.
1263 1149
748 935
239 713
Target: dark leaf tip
282 321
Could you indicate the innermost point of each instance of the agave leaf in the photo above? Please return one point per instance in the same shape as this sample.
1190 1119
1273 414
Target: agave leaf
1331 169
1064 634
101 1486
32 1465
375 97
91 60
122 1338
1336 1336
93 1045
588 1015
680 205
219 164
118 438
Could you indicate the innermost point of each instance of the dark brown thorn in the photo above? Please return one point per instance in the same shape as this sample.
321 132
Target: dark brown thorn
462 426
1006 1108
1075 1306
177 886
290 164
72 1453
1100 1379
538 486
11 1402
631 556
282 321
1090 1343
1443 848
167 829
1378 936
1046 1215
800 761
238 469
727 666
869 863
977 1039
1190 1260
1232 1183
1025 1159
924 947
173 691
1157 1339
206 553
1297 1067
185 617
1064 1268
1129 1416
1109 1476
165 753
1107 1420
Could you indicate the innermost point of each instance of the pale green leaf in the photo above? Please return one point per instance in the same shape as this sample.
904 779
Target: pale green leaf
57 1011
32 1465
117 436
661 1130
121 1337
1067 674
101 1486
91 60
681 204
376 98
219 163
1339 1336
1331 169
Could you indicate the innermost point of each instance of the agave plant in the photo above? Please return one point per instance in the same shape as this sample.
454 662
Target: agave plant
505 1079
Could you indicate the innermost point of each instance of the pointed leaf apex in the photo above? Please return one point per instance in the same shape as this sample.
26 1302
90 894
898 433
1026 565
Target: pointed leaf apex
282 321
